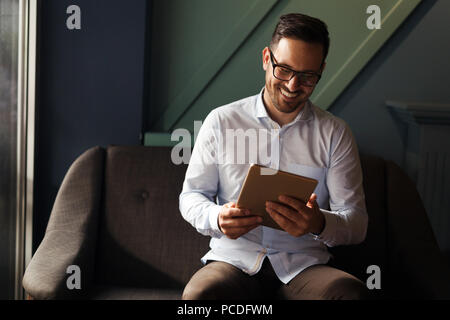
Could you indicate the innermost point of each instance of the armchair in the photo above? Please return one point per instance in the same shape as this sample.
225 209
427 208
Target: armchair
116 217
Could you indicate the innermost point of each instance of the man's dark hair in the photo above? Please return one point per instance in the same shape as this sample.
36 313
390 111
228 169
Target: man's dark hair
302 27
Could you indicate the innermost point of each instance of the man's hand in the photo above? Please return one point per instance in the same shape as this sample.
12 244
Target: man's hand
296 217
235 222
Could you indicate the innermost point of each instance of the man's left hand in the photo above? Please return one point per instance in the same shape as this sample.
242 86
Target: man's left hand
295 217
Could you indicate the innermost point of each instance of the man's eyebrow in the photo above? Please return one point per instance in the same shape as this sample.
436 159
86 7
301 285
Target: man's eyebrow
289 67
286 65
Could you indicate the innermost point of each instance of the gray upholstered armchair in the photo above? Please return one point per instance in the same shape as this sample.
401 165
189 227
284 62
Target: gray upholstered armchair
116 217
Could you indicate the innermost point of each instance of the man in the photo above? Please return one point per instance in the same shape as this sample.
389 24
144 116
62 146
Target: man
247 260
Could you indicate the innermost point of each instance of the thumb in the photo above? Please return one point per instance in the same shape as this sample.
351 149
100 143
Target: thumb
312 201
230 205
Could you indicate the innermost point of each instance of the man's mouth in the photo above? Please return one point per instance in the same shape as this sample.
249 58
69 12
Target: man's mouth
288 94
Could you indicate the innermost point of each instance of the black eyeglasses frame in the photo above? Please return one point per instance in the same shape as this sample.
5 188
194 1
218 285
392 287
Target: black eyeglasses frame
294 73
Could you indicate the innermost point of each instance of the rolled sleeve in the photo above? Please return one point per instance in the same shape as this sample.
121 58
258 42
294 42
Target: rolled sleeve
214 222
346 222
327 235
200 186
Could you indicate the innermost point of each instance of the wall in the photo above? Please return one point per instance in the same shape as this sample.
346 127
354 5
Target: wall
412 66
92 85
200 64
90 88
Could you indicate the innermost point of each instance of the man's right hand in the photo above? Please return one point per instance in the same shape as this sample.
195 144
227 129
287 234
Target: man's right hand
235 222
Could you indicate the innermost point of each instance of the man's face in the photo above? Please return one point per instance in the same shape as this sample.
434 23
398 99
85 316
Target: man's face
289 96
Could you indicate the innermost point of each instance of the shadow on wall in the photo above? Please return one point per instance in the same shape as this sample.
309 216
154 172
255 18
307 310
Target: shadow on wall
387 76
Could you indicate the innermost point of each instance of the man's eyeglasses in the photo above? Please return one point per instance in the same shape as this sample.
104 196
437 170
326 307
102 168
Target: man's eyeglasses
282 73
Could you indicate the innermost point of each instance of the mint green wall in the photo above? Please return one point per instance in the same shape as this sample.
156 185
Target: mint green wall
192 42
206 53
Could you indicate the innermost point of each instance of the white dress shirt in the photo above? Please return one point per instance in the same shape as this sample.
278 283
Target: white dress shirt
315 144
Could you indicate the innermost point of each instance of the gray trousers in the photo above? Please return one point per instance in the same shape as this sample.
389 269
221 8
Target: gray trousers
222 281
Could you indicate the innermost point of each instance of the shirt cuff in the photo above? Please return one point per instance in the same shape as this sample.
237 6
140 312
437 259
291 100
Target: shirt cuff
327 235
213 221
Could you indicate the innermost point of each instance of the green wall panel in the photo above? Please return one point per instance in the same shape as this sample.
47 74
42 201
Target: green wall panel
207 53
192 40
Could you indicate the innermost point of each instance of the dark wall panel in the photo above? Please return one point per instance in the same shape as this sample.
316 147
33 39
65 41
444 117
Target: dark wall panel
90 88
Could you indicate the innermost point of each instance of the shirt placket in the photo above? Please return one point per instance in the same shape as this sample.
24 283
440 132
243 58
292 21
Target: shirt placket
275 145
267 234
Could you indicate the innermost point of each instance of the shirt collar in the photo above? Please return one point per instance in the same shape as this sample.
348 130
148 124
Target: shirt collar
261 111
305 114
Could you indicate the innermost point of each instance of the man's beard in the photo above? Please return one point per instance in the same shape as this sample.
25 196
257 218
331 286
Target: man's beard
291 109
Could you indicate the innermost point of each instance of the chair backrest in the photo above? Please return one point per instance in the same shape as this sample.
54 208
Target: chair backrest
400 240
143 239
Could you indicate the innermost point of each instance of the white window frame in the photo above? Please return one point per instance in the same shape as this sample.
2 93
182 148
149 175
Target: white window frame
25 139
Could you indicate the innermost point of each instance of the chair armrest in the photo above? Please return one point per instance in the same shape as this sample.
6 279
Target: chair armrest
46 275
70 237
416 260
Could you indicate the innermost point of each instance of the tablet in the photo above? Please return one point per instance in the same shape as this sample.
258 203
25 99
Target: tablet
265 184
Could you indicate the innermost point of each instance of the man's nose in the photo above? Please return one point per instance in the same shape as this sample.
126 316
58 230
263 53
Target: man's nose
294 84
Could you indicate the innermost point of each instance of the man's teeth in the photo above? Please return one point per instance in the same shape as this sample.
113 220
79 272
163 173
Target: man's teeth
287 94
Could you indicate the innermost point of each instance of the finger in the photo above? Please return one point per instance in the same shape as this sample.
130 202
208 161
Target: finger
312 202
292 202
236 212
234 233
287 212
285 223
230 205
297 204
241 222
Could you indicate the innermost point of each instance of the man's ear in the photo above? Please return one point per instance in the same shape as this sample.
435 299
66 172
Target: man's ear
265 58
323 67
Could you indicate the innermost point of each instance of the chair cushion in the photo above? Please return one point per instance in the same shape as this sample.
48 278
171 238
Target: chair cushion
129 293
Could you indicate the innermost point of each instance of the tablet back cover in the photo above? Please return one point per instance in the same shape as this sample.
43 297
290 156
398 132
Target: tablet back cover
265 184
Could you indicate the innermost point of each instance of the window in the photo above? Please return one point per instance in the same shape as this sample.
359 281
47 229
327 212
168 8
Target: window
17 58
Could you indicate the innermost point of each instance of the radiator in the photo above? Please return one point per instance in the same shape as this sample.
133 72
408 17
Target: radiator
427 160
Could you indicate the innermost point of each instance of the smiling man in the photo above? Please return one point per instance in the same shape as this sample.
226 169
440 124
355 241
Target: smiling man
250 261
288 90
